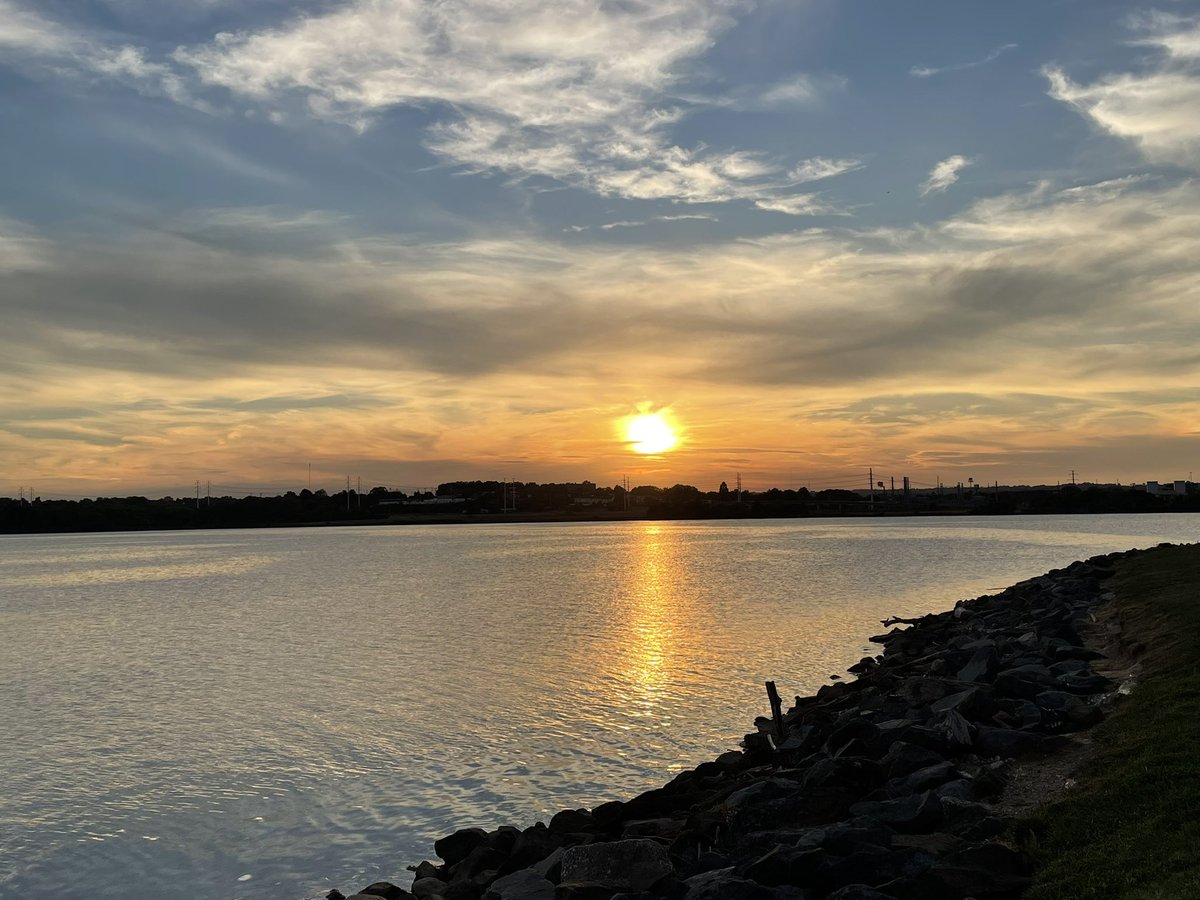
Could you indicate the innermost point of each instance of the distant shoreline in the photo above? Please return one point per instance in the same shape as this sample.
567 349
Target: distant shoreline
581 518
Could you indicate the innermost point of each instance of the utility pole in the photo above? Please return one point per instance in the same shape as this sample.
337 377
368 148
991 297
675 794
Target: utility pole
359 492
347 493
739 487
197 493
871 486
893 495
208 493
1072 478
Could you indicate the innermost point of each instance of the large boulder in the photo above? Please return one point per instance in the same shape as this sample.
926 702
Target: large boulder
629 865
722 884
455 847
523 885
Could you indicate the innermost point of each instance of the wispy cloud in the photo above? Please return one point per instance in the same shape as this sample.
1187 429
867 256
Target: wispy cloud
801 205
1158 109
520 88
930 71
798 90
944 174
818 168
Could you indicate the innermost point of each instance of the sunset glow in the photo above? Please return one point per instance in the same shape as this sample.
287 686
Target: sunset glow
417 242
650 434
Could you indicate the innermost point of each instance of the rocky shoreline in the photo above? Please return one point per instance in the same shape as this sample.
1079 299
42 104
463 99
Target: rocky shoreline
885 787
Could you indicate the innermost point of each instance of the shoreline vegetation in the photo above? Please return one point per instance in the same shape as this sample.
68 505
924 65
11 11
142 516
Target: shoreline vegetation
920 778
492 502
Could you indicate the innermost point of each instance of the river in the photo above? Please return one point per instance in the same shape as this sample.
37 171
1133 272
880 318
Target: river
271 713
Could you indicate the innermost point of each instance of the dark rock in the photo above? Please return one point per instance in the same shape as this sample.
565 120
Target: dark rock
531 845
987 871
428 887
387 890
522 885
830 692
844 838
1073 712
981 666
1018 713
722 884
854 737
335 894
608 813
801 739
1006 742
937 843
973 703
854 774
1024 681
627 865
480 860
578 890
920 812
758 745
568 821
1080 683
785 865
874 867
858 892
550 867
921 780
463 890
427 869
455 847
903 759
659 828
955 729
503 839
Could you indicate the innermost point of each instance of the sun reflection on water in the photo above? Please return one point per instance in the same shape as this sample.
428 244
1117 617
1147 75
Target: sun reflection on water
654 612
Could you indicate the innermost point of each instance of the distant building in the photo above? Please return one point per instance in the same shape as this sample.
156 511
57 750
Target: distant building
1177 488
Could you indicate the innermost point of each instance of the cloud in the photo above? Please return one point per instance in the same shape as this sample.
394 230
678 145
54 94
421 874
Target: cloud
844 337
1020 269
37 42
944 174
577 92
818 168
800 205
799 90
582 93
930 71
1158 108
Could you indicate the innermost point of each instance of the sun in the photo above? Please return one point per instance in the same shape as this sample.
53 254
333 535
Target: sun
650 433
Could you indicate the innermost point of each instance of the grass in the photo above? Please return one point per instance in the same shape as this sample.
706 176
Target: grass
1130 828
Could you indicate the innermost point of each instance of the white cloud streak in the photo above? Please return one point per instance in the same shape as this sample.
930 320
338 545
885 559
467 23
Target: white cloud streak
944 174
818 168
930 71
580 92
1158 109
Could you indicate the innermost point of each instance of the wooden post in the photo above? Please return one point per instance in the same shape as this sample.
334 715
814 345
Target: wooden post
776 710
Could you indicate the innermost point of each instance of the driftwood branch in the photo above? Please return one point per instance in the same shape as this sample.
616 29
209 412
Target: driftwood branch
899 620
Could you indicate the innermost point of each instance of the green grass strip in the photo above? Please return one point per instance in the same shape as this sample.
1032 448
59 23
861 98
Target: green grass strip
1130 828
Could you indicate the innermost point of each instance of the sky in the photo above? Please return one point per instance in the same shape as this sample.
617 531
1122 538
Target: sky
415 241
